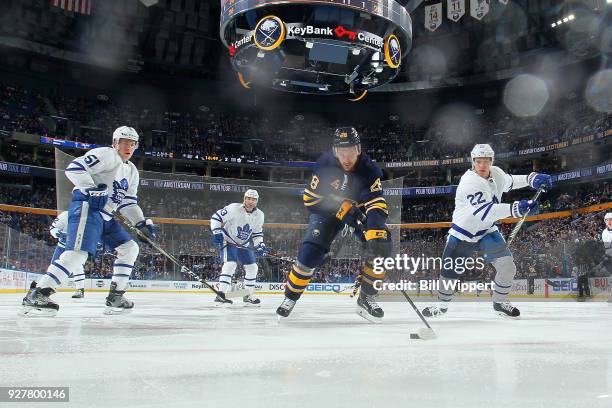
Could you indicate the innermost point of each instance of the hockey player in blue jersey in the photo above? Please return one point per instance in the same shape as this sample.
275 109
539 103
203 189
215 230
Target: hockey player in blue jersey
345 190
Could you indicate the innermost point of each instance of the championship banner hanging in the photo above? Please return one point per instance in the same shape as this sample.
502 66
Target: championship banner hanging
433 16
455 9
479 8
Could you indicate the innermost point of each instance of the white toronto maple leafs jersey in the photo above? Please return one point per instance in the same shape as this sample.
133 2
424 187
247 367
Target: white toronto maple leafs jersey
478 203
104 165
237 225
606 237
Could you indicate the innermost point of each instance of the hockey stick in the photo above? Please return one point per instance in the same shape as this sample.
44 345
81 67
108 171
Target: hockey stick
425 333
519 224
268 254
171 258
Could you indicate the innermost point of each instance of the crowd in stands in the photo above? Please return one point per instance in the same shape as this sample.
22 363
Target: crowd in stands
191 134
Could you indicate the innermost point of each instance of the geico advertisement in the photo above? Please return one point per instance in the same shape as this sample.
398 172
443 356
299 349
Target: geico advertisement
312 287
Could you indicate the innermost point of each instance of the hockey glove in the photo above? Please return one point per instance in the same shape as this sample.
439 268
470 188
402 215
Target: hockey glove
350 215
261 249
148 229
540 179
217 240
520 208
61 237
97 197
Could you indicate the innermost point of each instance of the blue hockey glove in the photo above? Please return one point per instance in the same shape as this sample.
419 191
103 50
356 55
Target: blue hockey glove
519 208
540 179
218 240
261 249
148 229
97 197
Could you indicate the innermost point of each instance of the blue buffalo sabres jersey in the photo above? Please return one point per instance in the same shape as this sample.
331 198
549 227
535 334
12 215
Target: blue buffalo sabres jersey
330 185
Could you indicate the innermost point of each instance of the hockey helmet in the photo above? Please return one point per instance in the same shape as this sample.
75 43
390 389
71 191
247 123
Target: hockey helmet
251 194
125 132
482 150
346 137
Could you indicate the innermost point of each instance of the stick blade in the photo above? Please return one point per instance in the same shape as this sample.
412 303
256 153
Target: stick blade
423 334
236 293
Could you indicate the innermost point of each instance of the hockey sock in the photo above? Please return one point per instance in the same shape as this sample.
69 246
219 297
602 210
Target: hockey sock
225 279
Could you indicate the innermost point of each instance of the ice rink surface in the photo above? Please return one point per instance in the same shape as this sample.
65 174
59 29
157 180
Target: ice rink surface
178 350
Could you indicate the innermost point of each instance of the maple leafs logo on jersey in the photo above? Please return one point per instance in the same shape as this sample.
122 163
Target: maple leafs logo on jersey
244 232
119 190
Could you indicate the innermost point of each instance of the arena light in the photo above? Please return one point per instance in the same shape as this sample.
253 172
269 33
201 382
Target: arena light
356 51
553 25
571 16
566 19
309 44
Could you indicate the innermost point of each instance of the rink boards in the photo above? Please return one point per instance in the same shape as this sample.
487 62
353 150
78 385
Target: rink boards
13 281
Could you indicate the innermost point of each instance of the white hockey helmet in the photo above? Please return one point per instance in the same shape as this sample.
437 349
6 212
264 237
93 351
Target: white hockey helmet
125 132
482 150
608 216
252 194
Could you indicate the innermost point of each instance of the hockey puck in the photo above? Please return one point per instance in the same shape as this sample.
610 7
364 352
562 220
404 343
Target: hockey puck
414 336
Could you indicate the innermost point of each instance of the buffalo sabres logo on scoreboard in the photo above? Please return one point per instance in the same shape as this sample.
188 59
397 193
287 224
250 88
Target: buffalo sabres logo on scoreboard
119 190
393 51
269 33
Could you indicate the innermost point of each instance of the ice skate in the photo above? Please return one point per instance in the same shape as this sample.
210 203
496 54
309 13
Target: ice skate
222 300
285 308
116 303
250 301
434 311
368 308
37 303
78 294
506 309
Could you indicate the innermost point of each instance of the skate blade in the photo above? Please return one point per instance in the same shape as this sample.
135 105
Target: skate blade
112 311
361 312
246 304
502 314
32 311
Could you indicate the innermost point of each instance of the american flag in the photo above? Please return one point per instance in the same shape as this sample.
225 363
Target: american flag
78 6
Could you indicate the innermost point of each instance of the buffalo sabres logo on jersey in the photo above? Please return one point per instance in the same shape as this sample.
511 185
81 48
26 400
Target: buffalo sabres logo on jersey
119 190
244 232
